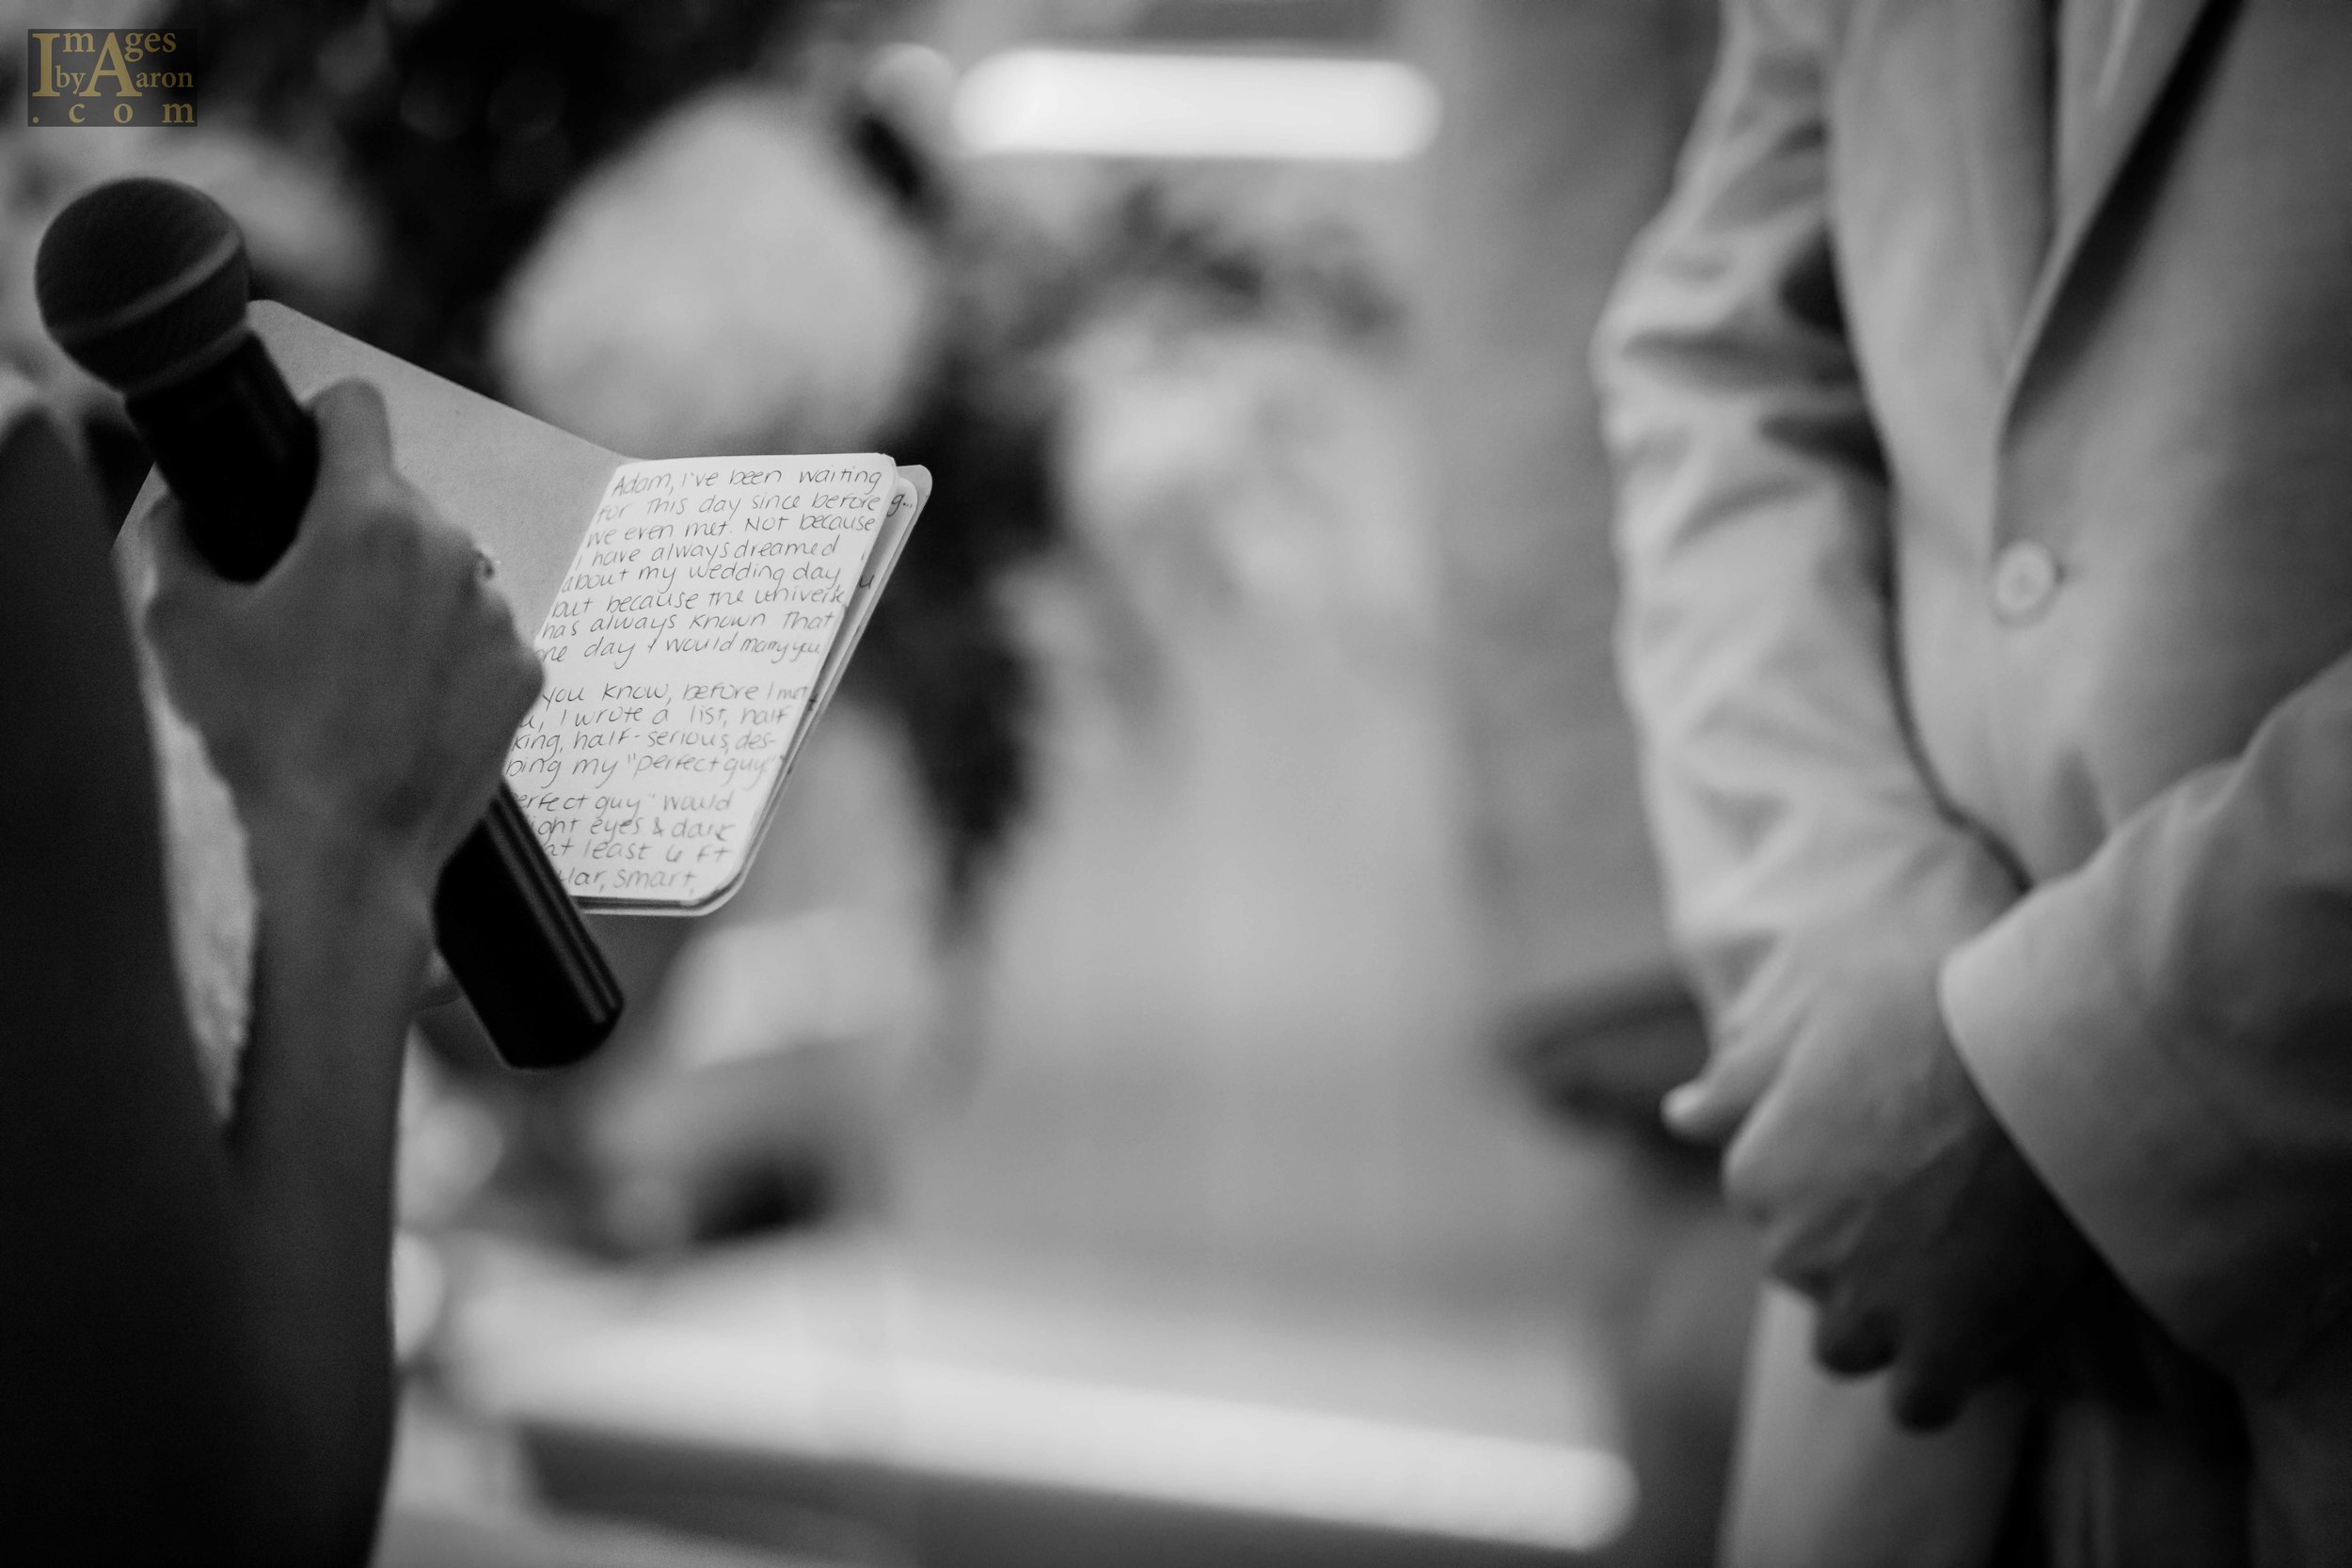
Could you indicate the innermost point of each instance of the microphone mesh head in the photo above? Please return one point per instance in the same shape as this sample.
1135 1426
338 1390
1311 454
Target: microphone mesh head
142 281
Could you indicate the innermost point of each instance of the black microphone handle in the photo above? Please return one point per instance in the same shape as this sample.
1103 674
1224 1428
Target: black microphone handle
241 455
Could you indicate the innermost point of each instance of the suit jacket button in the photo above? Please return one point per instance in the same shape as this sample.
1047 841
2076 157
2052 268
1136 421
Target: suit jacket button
2024 579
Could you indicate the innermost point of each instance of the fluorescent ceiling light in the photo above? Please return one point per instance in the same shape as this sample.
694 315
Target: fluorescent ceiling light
1171 105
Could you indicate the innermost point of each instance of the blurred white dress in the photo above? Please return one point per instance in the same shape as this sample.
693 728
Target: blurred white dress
215 911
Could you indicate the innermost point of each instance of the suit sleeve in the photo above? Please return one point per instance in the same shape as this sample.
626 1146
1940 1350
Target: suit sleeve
1753 535
2168 1034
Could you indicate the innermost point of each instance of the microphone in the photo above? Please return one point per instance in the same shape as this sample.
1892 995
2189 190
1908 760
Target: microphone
143 283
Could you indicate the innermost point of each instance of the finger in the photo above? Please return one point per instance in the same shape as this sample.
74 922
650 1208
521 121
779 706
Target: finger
440 987
1710 1107
1745 1189
1926 1395
1851 1340
492 608
1785 1262
354 434
1941 1366
518 673
530 678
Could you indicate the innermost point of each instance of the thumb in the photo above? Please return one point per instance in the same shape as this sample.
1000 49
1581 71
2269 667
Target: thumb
1710 1107
355 436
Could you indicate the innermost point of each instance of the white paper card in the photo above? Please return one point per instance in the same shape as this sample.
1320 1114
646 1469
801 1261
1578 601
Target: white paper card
683 653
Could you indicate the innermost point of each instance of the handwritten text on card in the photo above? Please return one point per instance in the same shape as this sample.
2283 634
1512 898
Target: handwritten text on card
681 654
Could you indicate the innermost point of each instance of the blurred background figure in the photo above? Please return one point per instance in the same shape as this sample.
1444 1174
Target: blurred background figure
1176 1087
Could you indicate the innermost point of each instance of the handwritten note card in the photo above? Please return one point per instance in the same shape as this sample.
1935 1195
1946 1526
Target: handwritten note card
683 654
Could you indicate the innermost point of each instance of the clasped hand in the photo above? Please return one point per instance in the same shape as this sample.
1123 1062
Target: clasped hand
1879 1181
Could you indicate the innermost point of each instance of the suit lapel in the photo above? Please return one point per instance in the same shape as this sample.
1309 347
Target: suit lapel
2145 52
2005 49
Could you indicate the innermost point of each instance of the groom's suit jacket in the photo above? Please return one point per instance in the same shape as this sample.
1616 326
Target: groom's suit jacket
1988 557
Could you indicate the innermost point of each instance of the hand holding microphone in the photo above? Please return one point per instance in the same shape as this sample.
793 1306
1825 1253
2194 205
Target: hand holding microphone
289 665
285 677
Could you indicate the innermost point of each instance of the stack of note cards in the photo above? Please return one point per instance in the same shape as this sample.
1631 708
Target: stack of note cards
706 618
